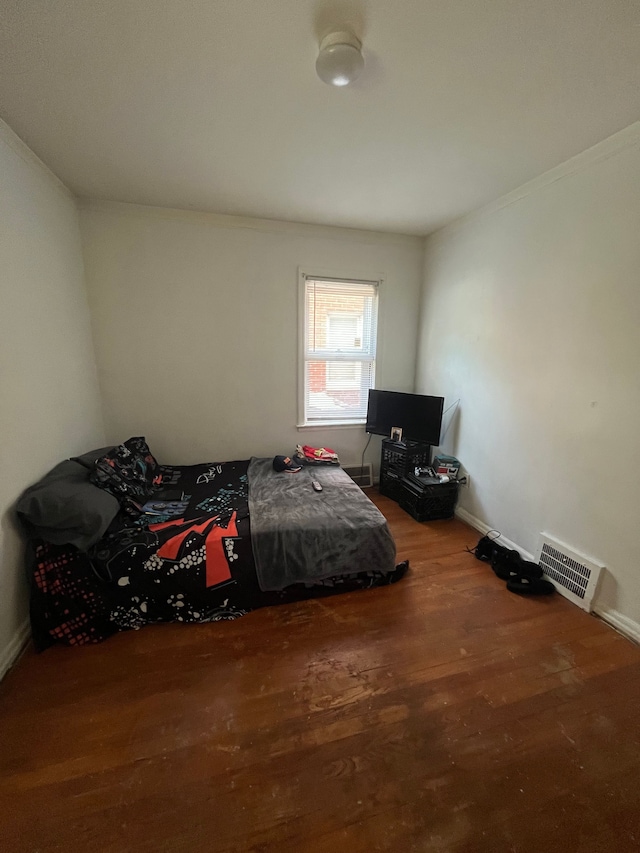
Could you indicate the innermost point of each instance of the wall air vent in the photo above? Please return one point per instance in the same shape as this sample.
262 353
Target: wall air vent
360 474
573 575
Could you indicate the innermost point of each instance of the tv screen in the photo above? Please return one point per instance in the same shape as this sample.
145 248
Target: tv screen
419 416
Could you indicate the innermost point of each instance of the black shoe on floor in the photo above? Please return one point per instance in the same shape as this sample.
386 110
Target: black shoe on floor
507 564
526 585
532 570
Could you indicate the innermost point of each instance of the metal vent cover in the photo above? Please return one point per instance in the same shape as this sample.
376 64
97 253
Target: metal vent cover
360 474
573 575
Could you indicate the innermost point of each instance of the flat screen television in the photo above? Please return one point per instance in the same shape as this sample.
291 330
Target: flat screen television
419 415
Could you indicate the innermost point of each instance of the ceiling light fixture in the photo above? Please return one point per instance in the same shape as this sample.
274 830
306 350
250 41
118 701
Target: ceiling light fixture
340 59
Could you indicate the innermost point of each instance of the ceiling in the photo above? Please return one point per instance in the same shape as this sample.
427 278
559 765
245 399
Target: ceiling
215 105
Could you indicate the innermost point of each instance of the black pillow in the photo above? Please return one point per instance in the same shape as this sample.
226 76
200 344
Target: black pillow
64 507
128 471
89 458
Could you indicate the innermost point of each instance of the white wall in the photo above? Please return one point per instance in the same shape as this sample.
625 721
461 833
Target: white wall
195 323
531 315
49 402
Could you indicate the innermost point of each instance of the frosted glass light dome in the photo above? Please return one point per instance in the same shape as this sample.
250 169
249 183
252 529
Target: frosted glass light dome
340 60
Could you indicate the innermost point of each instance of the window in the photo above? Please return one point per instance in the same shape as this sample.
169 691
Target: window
337 368
344 331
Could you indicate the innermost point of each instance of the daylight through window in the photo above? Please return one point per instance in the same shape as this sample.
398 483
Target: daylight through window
339 349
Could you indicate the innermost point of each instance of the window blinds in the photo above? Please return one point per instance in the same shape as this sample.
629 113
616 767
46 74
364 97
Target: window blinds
340 320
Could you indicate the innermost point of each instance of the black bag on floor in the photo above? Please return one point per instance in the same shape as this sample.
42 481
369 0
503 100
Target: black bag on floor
487 546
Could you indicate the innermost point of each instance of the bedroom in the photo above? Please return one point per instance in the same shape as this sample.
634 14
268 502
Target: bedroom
172 245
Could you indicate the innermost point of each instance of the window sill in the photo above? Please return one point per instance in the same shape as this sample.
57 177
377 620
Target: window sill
331 425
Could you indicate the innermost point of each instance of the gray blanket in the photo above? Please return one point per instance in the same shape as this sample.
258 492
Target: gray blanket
302 536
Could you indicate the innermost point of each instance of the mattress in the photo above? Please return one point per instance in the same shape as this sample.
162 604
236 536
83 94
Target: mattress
190 556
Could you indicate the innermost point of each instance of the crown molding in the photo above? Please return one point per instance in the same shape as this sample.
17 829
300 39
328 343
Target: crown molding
223 220
609 147
19 147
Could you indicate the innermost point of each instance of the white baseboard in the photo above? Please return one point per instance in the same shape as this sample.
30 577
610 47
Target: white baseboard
472 521
623 624
10 654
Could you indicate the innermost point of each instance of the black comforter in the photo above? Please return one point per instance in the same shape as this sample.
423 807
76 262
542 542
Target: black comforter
188 558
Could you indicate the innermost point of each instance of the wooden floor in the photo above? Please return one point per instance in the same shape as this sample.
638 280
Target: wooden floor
439 714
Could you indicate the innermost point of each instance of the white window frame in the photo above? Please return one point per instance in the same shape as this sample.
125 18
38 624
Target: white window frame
303 352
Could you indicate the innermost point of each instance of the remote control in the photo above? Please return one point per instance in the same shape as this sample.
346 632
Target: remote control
316 485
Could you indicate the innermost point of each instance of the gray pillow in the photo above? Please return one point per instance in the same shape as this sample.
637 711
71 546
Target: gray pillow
89 458
65 508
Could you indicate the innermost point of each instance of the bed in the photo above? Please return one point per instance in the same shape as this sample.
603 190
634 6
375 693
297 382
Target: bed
199 543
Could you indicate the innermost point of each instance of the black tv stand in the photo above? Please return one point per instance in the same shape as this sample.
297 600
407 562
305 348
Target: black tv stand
397 459
425 498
